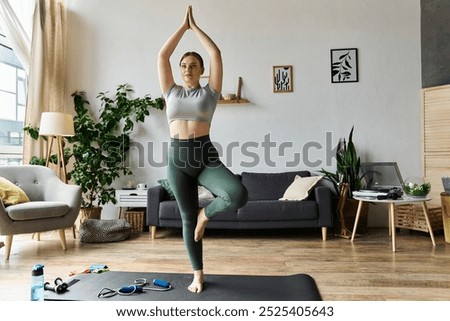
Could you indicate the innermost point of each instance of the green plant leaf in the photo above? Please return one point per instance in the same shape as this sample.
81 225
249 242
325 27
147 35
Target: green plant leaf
347 164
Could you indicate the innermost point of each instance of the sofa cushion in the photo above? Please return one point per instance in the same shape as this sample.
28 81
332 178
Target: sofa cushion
278 211
165 183
36 210
204 194
300 187
269 186
168 210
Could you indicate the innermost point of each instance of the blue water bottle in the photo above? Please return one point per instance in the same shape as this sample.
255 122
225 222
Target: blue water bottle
37 283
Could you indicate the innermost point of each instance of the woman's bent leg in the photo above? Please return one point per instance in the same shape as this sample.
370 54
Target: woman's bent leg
230 193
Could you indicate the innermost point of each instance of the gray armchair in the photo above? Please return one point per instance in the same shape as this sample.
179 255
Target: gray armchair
54 205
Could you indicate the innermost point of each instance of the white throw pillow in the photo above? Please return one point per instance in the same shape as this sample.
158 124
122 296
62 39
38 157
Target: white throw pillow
299 189
203 193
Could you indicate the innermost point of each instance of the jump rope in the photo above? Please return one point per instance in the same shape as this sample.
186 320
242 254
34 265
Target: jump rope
140 285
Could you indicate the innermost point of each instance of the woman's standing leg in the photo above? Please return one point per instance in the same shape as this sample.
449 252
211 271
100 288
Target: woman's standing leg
186 194
183 180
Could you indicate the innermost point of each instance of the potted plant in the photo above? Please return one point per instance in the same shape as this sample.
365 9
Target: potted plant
99 148
347 166
348 173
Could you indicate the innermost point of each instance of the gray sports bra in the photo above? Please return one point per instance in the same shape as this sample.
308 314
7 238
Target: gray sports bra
196 104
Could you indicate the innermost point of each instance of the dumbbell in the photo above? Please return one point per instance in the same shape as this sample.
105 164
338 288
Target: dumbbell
59 287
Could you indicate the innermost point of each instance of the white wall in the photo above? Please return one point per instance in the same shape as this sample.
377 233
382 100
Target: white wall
116 41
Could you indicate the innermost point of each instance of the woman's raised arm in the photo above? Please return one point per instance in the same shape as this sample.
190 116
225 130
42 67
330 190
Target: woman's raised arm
216 69
166 80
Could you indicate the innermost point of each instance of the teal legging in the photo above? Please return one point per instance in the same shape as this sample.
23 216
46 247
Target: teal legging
194 162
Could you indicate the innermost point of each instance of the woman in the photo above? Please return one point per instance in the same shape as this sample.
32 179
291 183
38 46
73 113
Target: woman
193 160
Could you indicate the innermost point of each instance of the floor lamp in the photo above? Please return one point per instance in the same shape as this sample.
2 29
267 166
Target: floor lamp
55 126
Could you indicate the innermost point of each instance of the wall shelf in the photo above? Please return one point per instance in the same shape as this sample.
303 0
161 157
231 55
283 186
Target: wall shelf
233 101
238 99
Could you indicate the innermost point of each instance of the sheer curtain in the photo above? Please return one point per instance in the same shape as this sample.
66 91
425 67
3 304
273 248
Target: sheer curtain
15 30
44 60
46 83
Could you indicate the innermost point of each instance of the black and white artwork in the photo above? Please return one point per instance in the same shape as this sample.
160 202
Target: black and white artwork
282 79
344 65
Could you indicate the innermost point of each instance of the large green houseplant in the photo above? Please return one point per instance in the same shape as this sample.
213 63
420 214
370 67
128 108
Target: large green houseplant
97 152
99 148
348 172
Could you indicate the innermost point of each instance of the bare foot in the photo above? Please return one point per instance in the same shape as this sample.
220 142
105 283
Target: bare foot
197 284
202 220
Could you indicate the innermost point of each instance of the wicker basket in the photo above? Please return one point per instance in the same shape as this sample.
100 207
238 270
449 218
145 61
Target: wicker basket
136 218
411 216
446 228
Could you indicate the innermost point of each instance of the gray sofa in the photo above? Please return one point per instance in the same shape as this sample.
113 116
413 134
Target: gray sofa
263 210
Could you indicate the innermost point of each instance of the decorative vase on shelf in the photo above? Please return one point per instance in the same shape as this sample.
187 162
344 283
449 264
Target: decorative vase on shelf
416 186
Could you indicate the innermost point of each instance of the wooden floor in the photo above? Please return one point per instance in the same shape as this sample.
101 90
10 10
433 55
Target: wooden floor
365 270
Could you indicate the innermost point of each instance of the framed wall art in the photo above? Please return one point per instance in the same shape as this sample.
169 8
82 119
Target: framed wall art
282 79
344 65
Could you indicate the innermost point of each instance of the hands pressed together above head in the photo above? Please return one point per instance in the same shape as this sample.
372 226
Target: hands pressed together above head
189 21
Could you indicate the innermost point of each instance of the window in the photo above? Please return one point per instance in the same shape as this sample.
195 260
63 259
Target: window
13 88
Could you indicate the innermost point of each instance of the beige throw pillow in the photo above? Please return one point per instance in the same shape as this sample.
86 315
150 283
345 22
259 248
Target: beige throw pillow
299 189
11 194
203 193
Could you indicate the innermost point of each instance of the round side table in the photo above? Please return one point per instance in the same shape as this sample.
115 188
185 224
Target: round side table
392 203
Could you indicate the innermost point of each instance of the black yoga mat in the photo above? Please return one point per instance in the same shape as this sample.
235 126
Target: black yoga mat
298 287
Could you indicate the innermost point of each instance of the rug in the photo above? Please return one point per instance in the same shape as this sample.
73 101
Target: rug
297 287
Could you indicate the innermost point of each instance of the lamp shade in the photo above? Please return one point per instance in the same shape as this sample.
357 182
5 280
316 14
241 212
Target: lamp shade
56 124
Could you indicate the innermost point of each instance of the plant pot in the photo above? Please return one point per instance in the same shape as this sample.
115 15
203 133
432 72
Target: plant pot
350 209
90 213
